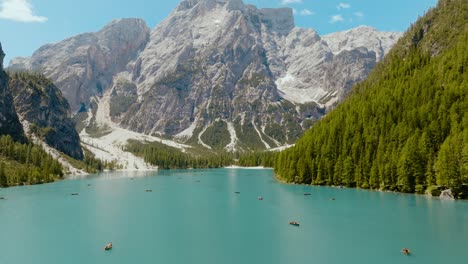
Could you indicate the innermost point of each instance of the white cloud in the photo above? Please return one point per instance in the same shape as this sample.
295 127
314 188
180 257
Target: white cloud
286 2
336 18
19 10
359 14
343 6
307 12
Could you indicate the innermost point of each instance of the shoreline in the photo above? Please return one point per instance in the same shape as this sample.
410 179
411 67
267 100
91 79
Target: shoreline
233 167
282 181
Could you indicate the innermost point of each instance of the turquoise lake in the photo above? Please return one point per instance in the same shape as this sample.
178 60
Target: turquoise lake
195 216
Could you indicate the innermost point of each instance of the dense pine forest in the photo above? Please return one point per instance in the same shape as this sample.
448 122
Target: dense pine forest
403 129
166 157
257 159
22 164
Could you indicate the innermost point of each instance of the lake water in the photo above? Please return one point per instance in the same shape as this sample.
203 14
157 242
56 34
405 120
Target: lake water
195 216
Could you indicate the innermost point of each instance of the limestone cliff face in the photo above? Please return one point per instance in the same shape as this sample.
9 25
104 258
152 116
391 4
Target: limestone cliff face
83 66
40 102
9 123
214 67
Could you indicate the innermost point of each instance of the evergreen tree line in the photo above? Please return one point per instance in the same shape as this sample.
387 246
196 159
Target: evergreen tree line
22 164
403 129
93 165
166 157
255 159
90 163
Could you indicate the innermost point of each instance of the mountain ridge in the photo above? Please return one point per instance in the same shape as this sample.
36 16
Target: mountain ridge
214 61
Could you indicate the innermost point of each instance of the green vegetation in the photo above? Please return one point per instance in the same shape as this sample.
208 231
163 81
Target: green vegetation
293 128
38 82
120 104
217 135
255 159
23 164
403 129
90 164
166 157
123 97
276 132
247 134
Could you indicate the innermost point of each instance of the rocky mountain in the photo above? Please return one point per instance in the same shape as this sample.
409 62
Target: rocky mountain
83 66
216 73
9 122
363 36
39 102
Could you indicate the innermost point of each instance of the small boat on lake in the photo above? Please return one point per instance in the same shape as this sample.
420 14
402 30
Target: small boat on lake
149 190
307 194
75 194
333 199
2 198
294 223
108 246
406 251
260 198
237 192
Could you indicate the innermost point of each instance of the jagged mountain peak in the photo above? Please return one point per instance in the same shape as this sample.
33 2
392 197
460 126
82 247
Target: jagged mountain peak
124 22
219 13
210 4
362 28
125 28
280 20
363 36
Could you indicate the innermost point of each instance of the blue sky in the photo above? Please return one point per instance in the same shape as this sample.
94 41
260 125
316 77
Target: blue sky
25 25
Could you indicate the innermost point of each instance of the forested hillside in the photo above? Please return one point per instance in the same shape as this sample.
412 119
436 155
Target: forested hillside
166 157
22 164
405 128
38 101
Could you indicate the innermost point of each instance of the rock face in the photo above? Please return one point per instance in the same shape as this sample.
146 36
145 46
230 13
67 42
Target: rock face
363 36
9 123
83 66
214 67
40 102
447 195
